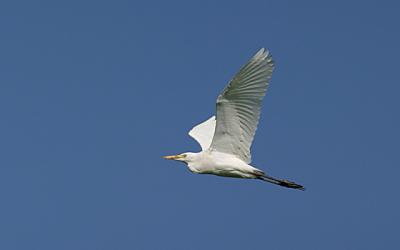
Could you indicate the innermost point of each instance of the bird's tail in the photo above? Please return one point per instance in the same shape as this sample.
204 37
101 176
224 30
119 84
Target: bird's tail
283 183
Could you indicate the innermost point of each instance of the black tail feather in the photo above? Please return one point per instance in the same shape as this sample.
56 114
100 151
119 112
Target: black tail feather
283 183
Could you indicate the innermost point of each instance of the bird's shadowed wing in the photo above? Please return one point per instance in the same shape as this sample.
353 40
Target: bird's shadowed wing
239 106
203 133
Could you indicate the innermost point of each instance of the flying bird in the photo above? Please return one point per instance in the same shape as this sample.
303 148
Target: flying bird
226 138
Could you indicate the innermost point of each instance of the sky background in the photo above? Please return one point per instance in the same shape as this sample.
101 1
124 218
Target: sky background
93 93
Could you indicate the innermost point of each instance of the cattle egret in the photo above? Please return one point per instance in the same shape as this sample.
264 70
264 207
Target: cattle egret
226 138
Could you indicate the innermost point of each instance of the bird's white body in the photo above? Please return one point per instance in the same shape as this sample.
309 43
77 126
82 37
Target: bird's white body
222 164
226 138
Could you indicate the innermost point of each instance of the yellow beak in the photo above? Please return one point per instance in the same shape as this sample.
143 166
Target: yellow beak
174 157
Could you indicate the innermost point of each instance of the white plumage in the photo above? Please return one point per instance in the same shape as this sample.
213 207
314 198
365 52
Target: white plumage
226 139
204 132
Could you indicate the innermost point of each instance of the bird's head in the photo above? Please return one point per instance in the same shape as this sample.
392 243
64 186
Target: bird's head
184 157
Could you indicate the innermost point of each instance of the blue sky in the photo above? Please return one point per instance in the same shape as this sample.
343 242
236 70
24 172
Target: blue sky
93 93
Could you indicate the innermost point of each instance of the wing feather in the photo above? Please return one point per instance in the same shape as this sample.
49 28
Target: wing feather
203 133
239 107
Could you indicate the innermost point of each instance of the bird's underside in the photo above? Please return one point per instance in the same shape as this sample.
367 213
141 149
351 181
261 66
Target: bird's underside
227 165
226 138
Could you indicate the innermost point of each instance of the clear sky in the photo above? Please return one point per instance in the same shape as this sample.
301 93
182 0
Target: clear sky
93 93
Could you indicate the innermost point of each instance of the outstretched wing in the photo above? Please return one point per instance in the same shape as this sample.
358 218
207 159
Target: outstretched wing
239 106
203 133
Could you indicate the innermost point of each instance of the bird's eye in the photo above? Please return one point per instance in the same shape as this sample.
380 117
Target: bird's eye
184 155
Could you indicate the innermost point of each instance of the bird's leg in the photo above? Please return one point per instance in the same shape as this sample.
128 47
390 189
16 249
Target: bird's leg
283 183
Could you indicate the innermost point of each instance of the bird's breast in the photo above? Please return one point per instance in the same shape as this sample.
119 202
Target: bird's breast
215 163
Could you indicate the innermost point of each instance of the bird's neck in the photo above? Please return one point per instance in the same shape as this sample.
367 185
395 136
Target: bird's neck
193 169
196 162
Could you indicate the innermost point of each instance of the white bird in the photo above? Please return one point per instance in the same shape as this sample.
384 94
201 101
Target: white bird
226 139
